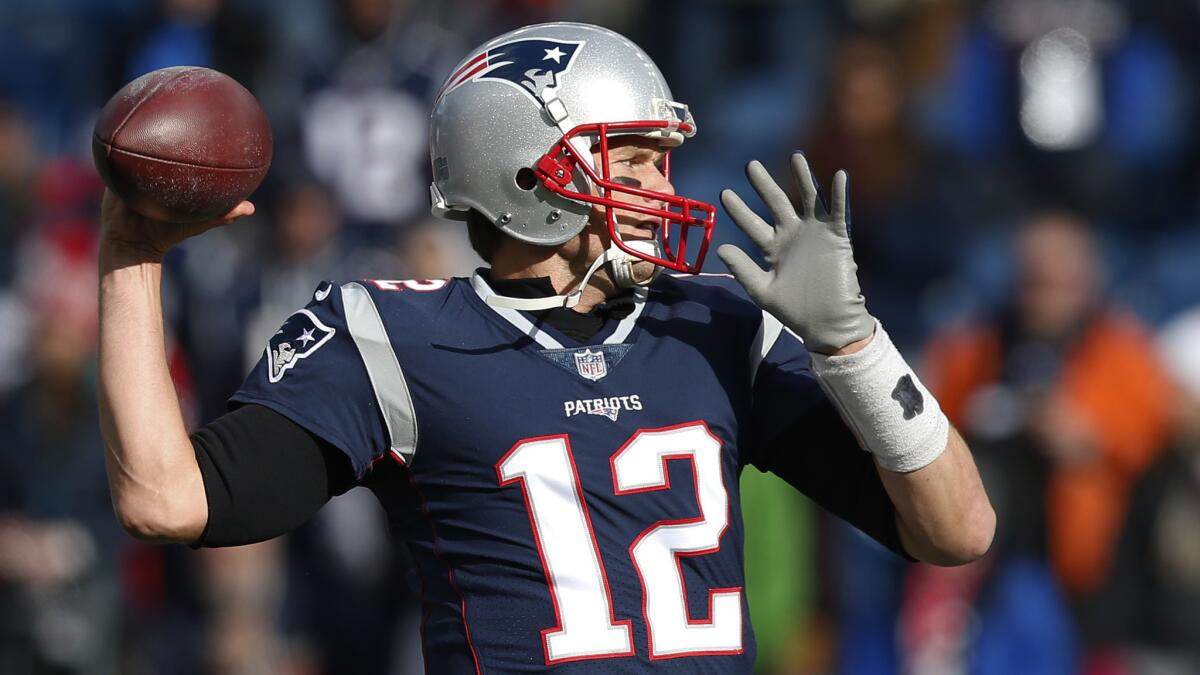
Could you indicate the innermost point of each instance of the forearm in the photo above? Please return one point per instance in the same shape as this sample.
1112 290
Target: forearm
942 511
155 481
943 514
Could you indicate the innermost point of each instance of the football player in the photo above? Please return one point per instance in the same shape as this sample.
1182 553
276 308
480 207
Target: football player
558 438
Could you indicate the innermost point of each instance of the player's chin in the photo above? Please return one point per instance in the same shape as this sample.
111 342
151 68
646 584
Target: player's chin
644 271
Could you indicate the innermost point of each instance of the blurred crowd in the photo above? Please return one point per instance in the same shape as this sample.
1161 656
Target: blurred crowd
1024 193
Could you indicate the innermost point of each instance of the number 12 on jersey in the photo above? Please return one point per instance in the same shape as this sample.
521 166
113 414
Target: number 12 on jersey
579 590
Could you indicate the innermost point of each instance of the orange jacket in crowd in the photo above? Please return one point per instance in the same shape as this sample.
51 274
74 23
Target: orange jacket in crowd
1113 381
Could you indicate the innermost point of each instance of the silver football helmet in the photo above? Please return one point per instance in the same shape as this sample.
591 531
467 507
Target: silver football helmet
514 127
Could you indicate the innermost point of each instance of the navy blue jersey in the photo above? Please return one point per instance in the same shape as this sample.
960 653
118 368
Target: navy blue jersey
568 505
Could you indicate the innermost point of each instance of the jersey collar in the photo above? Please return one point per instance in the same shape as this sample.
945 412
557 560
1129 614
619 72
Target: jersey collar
522 321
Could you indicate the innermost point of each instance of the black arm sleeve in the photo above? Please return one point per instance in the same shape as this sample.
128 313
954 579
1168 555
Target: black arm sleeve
264 475
819 456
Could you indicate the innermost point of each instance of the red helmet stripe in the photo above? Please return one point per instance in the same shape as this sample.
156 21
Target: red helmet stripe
466 72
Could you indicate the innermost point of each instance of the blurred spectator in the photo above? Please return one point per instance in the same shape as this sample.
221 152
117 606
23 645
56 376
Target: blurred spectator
55 258
18 164
229 290
58 591
58 536
1150 605
435 249
359 115
1065 405
210 33
243 595
57 266
305 248
864 129
1067 392
350 606
1005 614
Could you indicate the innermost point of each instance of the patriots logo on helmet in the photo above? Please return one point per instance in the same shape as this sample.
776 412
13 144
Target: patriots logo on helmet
531 65
302 335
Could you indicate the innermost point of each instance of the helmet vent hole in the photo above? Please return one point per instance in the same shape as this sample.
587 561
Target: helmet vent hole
526 179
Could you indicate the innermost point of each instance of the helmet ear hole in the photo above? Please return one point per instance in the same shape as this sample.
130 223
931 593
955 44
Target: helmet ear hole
526 179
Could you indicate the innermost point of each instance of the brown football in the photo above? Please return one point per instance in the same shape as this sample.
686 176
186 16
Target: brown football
182 144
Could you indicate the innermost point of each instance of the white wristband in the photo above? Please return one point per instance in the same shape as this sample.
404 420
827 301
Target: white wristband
893 415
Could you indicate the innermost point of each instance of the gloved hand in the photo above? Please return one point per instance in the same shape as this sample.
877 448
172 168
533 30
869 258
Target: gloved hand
812 284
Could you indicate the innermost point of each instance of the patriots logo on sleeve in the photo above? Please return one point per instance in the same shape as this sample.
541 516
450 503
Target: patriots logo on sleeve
531 65
300 337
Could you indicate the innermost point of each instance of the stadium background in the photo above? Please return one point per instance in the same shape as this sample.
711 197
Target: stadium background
1024 182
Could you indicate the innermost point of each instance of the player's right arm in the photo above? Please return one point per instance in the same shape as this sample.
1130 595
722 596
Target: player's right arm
157 488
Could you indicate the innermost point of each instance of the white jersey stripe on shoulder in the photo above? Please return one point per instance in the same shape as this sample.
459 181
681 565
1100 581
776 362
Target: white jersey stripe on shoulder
387 379
768 333
513 316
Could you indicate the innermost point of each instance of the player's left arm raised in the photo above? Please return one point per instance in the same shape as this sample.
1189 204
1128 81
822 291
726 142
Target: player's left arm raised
812 288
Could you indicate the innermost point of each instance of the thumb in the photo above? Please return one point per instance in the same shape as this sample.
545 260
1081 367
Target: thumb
747 272
241 210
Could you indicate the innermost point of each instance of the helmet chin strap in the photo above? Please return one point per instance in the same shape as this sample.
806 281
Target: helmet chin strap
622 264
621 270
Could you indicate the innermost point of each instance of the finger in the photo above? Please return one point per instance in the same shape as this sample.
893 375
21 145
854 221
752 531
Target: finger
747 272
770 192
806 183
242 210
246 208
839 207
758 230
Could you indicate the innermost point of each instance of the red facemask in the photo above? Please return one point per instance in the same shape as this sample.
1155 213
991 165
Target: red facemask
556 170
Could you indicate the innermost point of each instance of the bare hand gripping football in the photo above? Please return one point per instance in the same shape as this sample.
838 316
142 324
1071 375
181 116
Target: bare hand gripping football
182 144
812 283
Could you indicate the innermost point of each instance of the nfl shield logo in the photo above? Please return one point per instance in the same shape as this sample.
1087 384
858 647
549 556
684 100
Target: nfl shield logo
590 364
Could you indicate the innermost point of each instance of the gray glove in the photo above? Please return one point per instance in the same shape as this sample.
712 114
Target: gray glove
812 285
